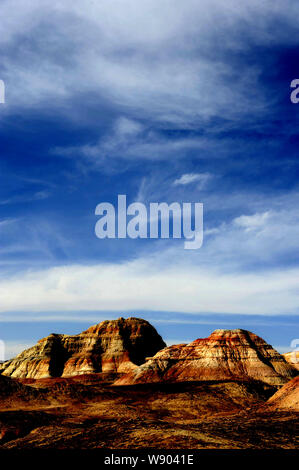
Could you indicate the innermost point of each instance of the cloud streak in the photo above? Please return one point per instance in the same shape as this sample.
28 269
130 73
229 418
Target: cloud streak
142 285
212 280
189 178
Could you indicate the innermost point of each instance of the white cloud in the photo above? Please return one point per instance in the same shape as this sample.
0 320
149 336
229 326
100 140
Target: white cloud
161 59
252 222
135 144
189 178
236 271
140 143
262 240
145 284
151 56
5 222
125 126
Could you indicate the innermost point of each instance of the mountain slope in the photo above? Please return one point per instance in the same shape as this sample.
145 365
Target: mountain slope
224 355
287 398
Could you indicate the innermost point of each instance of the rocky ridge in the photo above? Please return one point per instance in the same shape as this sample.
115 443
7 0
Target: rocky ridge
110 347
224 355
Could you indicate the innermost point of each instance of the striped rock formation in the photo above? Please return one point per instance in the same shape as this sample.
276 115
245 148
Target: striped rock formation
111 347
292 358
287 398
224 355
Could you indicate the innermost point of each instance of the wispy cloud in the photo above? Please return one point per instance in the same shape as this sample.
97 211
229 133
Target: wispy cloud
163 58
139 142
253 222
19 199
215 279
5 222
189 178
146 285
174 87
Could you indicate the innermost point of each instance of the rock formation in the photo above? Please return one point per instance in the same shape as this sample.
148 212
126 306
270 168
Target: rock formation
111 347
292 358
224 355
287 398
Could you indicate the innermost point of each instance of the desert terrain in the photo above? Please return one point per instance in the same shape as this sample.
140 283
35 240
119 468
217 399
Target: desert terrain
119 387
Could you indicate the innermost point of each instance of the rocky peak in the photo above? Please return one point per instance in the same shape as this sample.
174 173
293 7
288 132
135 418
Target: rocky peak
111 347
224 355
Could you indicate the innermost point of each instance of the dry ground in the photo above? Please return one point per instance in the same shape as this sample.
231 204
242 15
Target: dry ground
83 414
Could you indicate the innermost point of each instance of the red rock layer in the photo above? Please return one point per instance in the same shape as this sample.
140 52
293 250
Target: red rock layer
224 355
115 346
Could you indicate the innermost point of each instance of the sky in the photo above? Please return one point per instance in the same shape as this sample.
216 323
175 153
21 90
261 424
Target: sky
163 101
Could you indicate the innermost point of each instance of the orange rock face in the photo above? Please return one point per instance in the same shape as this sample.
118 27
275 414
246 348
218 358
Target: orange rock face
292 358
224 355
112 347
287 398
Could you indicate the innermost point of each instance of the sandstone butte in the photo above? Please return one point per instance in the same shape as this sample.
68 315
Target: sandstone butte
110 347
292 358
224 355
287 398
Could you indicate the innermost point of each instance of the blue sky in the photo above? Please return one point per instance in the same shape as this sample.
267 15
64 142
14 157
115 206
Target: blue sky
161 101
